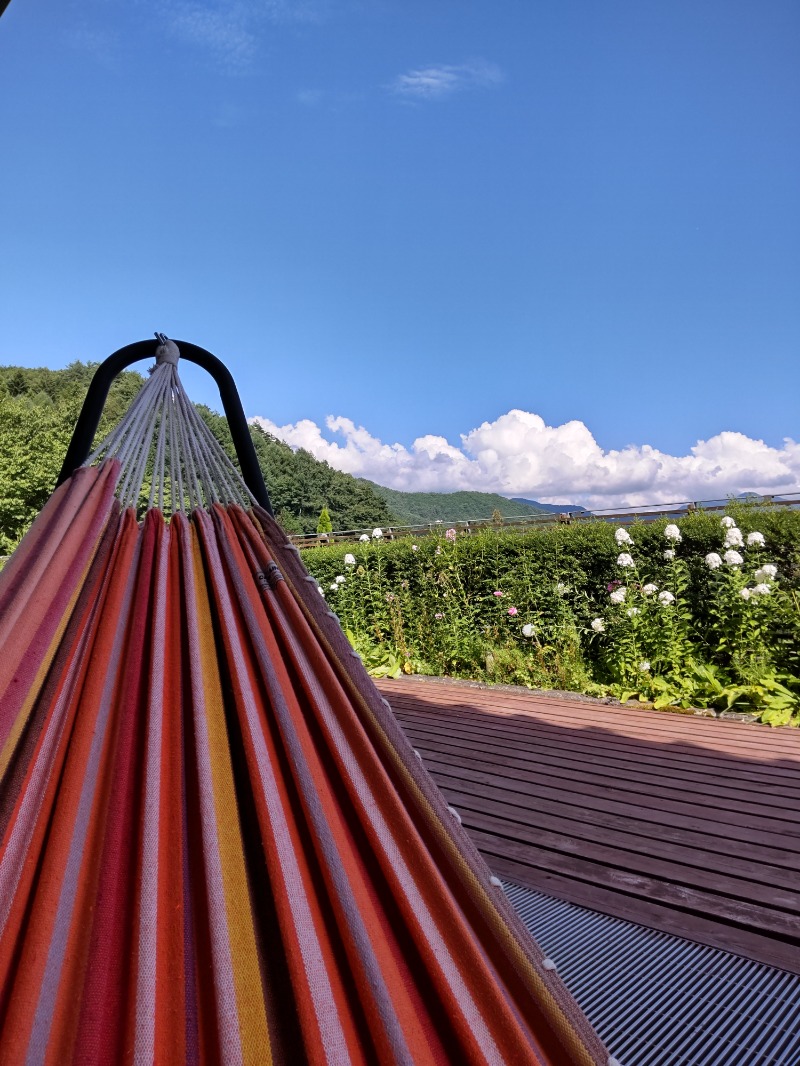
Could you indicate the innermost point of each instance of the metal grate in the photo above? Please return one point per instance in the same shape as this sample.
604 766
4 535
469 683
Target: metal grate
658 1000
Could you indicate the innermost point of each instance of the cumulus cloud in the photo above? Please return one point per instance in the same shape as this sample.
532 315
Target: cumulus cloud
520 455
435 83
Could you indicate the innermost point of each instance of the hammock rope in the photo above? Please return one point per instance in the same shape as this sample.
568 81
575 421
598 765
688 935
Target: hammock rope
216 843
163 433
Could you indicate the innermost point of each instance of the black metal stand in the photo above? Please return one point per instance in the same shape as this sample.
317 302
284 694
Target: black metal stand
89 419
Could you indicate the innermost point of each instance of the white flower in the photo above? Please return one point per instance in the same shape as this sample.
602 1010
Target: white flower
734 538
377 534
622 536
768 571
349 560
528 630
319 590
438 551
666 598
649 589
669 553
755 538
713 561
364 537
727 522
644 666
415 547
745 594
761 590
632 612
334 587
625 560
733 558
673 533
618 595
340 580
561 588
598 625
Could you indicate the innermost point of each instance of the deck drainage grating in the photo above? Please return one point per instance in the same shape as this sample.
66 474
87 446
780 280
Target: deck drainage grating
658 1000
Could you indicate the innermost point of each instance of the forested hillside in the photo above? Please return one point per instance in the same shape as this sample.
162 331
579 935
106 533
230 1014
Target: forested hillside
419 508
39 408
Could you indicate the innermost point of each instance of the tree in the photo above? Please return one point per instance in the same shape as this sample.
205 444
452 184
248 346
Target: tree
324 525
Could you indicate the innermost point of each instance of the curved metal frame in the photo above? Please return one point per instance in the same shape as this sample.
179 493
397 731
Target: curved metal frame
89 419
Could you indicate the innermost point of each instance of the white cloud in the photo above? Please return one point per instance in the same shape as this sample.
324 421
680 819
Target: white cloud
231 30
434 83
519 455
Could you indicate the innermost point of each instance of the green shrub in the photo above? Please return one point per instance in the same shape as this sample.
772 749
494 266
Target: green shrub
518 607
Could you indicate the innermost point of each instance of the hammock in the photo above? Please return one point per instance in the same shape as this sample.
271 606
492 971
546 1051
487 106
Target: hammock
216 844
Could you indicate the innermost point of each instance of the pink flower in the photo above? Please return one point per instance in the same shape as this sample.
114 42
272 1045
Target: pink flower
512 611
438 615
451 534
497 593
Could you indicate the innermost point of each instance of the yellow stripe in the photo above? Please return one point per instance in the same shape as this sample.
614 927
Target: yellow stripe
253 1028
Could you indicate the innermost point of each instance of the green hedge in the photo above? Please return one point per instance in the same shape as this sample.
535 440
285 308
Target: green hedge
430 605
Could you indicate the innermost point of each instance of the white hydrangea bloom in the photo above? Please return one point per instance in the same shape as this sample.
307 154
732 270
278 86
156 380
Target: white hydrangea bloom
622 536
666 598
734 538
598 625
623 559
713 561
632 612
649 588
644 666
673 533
364 537
377 534
768 571
349 560
745 594
618 595
727 522
669 553
733 558
528 630
755 539
762 589
340 579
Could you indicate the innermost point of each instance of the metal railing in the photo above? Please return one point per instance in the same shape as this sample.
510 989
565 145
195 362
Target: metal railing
624 517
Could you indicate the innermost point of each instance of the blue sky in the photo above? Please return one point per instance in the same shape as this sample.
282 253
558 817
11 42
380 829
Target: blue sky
414 219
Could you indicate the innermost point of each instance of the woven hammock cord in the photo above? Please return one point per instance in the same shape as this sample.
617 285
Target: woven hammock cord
163 435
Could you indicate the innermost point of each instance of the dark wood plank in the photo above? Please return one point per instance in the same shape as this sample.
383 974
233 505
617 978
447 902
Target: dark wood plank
598 746
669 821
647 912
761 866
755 817
738 843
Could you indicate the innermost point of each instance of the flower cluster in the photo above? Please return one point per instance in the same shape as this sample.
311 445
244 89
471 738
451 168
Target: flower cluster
734 538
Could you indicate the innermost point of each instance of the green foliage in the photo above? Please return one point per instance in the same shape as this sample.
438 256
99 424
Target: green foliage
423 508
324 525
38 411
518 606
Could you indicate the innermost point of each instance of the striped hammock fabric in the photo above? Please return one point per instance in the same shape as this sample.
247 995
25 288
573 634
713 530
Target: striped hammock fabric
216 844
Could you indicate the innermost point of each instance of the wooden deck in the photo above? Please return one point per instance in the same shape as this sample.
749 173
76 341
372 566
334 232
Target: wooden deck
685 824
